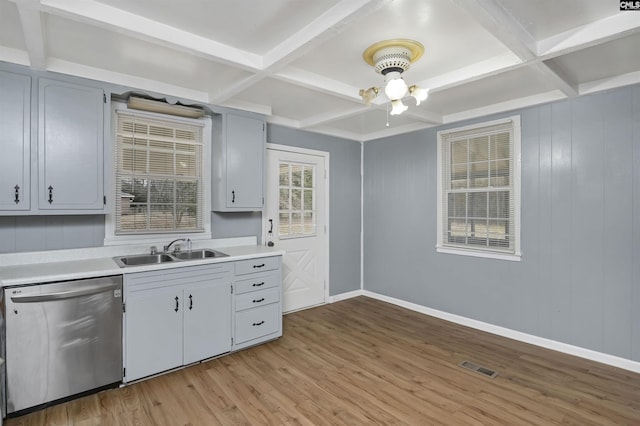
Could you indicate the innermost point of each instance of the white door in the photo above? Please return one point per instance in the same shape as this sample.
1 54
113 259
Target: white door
295 221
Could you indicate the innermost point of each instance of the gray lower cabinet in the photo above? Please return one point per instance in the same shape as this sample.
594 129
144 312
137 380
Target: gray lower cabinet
15 140
70 147
175 317
257 301
239 143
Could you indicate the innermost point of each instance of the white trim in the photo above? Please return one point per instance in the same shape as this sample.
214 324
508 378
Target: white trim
326 156
361 216
475 253
517 170
109 220
345 296
589 354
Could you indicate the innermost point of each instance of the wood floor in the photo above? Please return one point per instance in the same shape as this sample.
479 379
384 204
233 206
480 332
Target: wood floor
362 361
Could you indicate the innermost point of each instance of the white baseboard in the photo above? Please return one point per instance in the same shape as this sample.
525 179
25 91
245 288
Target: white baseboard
592 355
345 296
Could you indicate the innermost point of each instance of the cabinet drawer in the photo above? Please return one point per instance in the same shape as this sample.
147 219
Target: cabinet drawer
257 265
257 298
254 323
257 282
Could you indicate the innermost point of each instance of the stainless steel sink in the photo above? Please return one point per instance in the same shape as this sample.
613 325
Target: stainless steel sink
143 259
198 254
153 259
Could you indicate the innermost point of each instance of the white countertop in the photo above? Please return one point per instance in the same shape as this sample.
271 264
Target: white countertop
61 265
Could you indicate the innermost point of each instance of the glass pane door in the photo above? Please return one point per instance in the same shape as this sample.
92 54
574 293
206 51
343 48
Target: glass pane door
297 209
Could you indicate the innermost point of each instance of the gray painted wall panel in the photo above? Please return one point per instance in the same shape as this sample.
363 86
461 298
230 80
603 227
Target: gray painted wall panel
618 213
635 193
544 229
587 220
530 148
344 214
236 224
577 281
36 233
560 242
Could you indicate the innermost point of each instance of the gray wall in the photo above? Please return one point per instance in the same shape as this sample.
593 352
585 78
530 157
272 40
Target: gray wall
37 233
579 278
33 233
344 202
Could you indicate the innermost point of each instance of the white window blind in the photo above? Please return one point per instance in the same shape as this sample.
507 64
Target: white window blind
479 187
159 175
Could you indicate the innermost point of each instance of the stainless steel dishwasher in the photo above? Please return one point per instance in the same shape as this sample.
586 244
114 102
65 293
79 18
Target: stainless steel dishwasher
62 339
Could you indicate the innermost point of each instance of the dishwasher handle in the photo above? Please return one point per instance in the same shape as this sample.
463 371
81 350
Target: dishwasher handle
47 297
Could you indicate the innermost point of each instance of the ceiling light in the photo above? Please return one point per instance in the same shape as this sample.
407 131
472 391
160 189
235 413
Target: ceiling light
395 87
418 93
391 58
397 107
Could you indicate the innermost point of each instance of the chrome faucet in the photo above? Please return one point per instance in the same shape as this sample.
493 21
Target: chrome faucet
168 246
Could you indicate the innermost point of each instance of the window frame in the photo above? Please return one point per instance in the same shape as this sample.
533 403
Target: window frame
515 191
111 238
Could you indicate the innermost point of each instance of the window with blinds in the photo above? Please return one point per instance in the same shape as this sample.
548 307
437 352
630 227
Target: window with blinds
159 175
479 188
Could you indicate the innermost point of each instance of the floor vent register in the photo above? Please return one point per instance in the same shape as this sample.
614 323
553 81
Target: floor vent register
478 369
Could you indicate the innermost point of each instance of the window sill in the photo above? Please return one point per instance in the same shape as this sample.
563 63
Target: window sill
473 253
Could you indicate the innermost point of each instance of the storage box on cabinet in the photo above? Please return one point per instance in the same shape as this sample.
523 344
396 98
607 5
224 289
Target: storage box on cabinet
175 317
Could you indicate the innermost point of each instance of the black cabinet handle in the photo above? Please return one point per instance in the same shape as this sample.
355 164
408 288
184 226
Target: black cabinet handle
190 302
258 284
233 196
271 226
255 324
50 194
17 199
258 300
177 304
258 266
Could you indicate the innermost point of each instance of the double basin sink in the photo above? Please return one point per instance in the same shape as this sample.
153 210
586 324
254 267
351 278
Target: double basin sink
159 258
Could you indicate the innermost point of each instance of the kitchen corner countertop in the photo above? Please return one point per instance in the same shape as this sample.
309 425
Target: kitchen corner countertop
50 269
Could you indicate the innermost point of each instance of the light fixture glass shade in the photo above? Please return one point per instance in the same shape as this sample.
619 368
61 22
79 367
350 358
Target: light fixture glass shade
397 107
369 95
418 93
395 87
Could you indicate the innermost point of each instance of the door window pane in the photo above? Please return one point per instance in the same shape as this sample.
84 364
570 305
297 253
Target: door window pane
297 194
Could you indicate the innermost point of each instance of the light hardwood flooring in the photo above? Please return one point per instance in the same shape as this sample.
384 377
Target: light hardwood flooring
362 361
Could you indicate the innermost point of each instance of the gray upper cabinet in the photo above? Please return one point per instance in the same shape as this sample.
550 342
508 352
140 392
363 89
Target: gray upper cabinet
15 140
70 148
239 142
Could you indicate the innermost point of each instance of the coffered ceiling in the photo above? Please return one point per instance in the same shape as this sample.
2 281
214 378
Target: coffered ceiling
300 62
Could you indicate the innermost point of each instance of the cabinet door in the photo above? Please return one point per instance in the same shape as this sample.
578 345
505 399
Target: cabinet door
245 146
153 330
15 140
70 147
207 320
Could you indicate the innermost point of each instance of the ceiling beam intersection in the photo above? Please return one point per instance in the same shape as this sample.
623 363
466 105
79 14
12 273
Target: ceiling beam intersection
492 16
136 26
303 41
33 32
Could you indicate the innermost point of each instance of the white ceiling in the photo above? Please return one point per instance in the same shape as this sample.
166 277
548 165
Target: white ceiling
300 62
